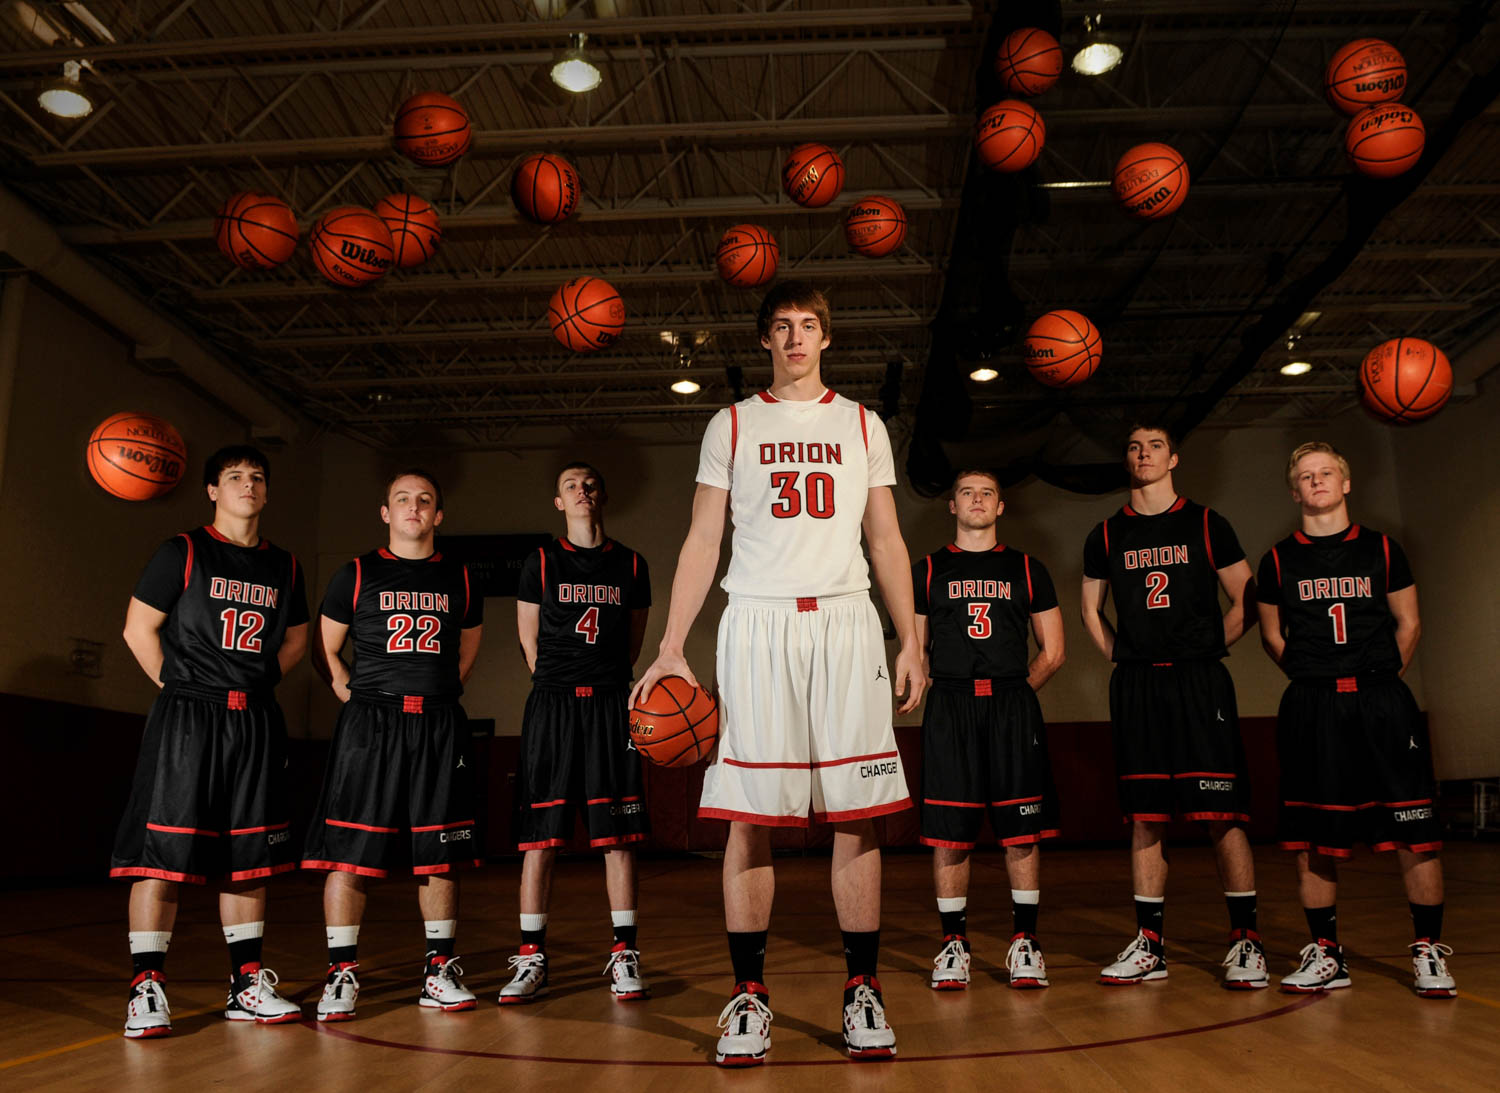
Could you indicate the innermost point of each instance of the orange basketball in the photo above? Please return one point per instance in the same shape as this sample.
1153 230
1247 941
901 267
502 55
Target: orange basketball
255 230
432 129
1405 380
676 724
352 246
1010 136
1385 141
586 314
1029 61
875 226
545 188
1063 348
1151 181
747 256
1366 72
135 457
813 175
414 227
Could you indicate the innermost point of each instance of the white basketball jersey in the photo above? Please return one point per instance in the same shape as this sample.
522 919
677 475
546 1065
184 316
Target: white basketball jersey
798 475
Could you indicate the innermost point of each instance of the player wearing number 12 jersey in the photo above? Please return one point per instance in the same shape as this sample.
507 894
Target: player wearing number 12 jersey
1178 753
581 612
1339 613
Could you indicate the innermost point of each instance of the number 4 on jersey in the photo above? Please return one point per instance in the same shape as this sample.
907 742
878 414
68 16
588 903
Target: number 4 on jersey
588 625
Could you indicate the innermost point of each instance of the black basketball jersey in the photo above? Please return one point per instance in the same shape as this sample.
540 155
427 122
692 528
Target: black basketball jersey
227 606
404 617
1163 573
979 605
1331 590
586 595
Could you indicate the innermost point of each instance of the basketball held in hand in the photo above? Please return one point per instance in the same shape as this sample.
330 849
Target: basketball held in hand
675 725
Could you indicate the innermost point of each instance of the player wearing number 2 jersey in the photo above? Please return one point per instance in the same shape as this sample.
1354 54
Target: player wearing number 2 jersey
581 611
217 617
1338 611
399 791
806 697
1178 753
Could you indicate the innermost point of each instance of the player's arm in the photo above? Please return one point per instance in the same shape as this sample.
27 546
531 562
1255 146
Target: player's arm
924 641
696 564
468 650
293 646
638 619
1272 640
1047 628
143 625
1403 605
1095 594
1239 585
328 639
891 565
528 626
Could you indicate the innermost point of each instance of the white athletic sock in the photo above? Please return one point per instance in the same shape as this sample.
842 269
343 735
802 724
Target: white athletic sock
244 931
440 928
622 918
341 937
533 922
1018 895
948 906
1151 899
149 941
1232 895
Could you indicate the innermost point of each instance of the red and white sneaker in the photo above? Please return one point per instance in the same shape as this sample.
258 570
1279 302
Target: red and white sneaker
1430 969
746 1022
867 1034
624 971
950 968
340 993
1245 963
147 1015
1143 961
1028 971
442 988
530 981
1322 969
253 997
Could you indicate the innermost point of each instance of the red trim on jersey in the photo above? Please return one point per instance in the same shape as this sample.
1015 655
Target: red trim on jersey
862 813
929 581
1105 526
188 564
258 830
1145 777
1015 801
759 819
1128 511
1022 840
256 874
1026 560
411 703
864 429
766 396
435 556
543 552
362 827
169 830
1346 685
635 565
854 759
1207 543
828 397
616 840
1385 541
466 590
1301 538
1353 533
997 548
158 874
1277 559
583 692
1178 504
734 434
983 688
443 827
386 554
807 603
359 578
550 804
609 544
1241 817
955 804
545 844
925 841
1203 774
566 545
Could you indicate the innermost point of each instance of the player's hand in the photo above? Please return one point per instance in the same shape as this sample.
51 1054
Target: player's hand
666 664
909 676
341 692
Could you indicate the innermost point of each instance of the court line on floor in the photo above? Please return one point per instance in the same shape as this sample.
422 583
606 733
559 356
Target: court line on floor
104 1039
1482 1001
344 1034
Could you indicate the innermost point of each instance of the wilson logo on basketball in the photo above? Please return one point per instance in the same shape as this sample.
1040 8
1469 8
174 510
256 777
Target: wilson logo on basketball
158 464
1156 197
352 250
1037 353
1140 177
1385 84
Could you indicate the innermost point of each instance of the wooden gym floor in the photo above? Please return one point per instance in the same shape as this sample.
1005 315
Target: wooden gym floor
65 971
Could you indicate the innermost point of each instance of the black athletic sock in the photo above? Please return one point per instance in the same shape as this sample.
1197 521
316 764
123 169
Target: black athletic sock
438 946
1323 923
1241 912
342 954
1151 915
157 962
535 937
242 952
1427 921
861 952
747 953
955 924
1024 915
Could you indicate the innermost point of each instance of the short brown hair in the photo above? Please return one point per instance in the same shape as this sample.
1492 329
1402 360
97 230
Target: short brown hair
1307 449
979 471
798 294
414 472
577 465
1149 427
232 456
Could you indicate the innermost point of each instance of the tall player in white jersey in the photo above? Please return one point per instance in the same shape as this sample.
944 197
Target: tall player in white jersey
806 697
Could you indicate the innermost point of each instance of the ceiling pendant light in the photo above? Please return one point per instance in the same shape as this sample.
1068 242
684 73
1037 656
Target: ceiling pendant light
983 375
573 71
686 387
1097 55
65 97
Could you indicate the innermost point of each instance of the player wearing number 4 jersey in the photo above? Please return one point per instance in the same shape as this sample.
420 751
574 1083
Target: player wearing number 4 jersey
581 611
1178 753
398 792
805 694
217 618
1338 612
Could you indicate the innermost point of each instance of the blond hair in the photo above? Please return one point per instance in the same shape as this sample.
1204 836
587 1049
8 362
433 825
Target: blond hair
1307 449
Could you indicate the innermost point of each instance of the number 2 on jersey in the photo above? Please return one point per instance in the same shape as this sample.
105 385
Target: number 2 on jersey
980 614
588 625
1156 590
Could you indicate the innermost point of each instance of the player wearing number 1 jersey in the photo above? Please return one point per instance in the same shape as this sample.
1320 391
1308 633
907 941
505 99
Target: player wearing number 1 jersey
1338 611
1178 753
216 619
581 612
398 792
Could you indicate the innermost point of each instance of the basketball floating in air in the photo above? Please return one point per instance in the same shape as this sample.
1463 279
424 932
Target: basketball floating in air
1029 61
414 227
586 314
545 188
1151 181
1010 136
352 247
432 129
135 457
875 226
813 175
256 230
1385 141
676 724
747 256
1366 72
1062 349
1405 380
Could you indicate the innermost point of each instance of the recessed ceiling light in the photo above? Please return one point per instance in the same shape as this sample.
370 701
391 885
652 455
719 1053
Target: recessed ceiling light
686 387
983 375
1296 368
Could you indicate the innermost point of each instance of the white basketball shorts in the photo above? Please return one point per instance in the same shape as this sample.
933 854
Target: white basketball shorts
805 715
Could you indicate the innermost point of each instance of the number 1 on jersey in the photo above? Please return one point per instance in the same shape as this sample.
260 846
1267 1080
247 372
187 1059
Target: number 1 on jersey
1340 630
588 625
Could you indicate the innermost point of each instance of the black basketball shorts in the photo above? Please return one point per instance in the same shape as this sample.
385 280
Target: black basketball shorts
398 792
1178 752
209 795
1355 767
984 750
576 753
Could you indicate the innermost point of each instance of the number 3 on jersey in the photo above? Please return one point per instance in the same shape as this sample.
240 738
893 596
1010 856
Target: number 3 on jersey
588 625
980 614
